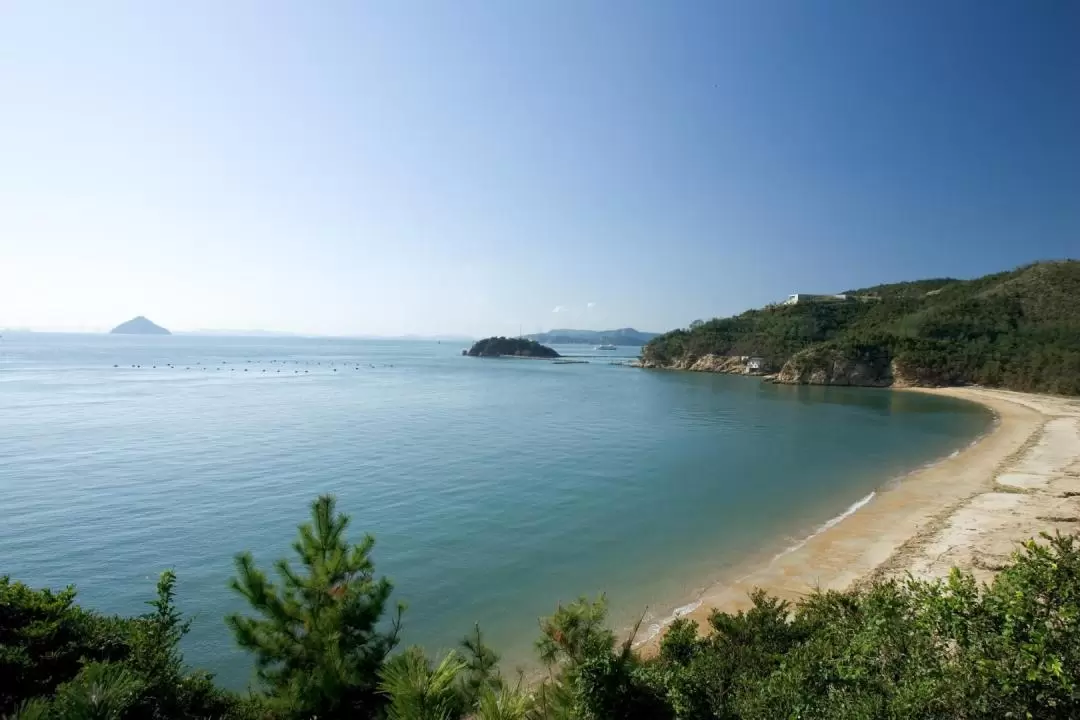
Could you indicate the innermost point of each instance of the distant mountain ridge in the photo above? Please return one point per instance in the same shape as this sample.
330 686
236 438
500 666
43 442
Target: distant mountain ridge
621 336
139 326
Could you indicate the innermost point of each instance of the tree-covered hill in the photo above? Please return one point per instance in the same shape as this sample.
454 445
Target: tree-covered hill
1017 329
517 347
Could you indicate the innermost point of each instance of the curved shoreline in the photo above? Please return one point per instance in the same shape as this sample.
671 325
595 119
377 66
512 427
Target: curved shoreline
968 510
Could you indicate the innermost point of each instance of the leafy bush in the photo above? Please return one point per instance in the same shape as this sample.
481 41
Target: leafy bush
45 639
892 649
60 661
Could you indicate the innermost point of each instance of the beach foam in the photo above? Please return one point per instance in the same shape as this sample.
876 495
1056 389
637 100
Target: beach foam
656 628
831 523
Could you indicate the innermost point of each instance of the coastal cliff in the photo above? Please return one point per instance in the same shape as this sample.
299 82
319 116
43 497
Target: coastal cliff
832 366
732 365
1018 330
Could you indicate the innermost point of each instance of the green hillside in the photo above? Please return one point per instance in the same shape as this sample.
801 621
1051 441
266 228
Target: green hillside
1018 329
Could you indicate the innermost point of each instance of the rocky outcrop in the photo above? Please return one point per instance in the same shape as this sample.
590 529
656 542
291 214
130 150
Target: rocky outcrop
732 365
818 366
856 365
863 367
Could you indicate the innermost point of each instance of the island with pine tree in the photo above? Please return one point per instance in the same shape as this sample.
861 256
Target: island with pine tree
509 347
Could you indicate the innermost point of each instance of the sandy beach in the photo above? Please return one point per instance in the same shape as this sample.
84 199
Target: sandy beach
967 511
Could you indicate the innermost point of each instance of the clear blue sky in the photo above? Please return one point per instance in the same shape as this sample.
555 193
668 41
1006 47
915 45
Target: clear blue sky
469 167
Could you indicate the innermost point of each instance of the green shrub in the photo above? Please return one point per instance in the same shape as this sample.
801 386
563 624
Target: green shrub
45 639
891 649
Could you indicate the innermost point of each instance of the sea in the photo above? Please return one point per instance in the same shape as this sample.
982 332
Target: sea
495 488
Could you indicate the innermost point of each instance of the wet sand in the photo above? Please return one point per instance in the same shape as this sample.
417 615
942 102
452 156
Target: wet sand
967 511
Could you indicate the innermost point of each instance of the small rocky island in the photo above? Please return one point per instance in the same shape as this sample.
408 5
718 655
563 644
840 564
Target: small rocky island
512 347
139 326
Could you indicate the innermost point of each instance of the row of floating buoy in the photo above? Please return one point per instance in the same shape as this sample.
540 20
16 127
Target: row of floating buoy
232 369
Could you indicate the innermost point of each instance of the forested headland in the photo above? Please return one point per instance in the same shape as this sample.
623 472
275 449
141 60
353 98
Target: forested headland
1018 330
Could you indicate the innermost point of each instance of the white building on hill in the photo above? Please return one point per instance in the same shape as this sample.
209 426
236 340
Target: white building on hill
803 298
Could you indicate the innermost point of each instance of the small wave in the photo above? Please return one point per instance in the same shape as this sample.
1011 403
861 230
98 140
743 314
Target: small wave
831 523
655 628
650 632
686 609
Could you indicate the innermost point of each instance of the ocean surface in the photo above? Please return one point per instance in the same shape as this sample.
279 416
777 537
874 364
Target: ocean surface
495 488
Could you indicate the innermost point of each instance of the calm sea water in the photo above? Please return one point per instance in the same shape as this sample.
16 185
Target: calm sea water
495 488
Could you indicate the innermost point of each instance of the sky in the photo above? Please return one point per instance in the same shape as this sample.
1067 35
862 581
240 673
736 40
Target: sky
399 167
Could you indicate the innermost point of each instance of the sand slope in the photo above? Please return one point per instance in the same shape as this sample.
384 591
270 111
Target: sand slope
1035 489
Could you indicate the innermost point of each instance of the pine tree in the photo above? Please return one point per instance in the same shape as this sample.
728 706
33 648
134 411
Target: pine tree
575 632
481 668
503 703
155 653
318 647
419 691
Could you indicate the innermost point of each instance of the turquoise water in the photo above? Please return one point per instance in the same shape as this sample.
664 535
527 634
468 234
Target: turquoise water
495 488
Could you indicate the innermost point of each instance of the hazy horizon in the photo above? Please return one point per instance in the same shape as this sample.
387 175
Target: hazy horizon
470 169
257 332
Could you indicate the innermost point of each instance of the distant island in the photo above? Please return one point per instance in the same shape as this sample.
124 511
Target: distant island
139 326
1018 329
622 336
514 347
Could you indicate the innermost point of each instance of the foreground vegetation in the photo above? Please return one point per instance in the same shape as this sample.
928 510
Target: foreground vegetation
324 636
1018 329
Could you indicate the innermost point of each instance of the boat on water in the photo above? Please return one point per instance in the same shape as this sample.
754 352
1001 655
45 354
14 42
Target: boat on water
604 347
